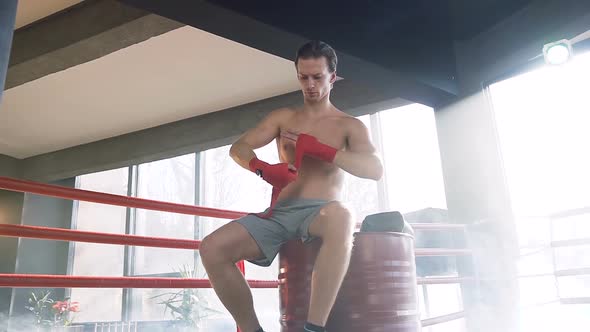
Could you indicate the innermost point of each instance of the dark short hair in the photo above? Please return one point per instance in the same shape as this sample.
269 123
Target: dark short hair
318 49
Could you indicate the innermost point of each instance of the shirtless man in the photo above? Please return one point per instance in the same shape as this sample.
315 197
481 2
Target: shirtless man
316 143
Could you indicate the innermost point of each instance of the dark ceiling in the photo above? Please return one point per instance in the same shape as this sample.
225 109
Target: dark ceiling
471 17
463 19
413 39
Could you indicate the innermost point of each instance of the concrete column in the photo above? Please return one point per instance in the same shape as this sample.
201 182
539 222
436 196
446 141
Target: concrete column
41 256
7 17
11 205
477 194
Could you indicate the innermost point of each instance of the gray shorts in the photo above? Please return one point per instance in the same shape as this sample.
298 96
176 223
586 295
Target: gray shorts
290 219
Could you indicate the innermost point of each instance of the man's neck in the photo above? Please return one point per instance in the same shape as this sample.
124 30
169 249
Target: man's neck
321 106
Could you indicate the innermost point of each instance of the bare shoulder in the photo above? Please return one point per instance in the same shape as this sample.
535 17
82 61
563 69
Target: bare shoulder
351 123
281 115
283 111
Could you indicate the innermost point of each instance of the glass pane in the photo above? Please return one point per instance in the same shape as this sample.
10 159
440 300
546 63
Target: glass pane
542 119
422 302
412 158
100 304
553 317
533 232
535 262
266 302
574 286
225 184
170 180
574 227
534 236
444 299
573 257
537 290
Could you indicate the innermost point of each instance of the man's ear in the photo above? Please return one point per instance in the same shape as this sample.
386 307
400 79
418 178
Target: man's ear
333 77
332 80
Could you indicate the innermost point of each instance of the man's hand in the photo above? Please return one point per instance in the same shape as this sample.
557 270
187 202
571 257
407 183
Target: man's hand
278 175
310 146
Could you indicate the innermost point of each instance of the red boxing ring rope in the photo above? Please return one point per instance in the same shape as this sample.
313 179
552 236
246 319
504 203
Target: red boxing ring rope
48 233
141 203
110 199
36 232
59 281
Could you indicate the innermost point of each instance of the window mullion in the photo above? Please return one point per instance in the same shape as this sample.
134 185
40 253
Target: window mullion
129 252
377 138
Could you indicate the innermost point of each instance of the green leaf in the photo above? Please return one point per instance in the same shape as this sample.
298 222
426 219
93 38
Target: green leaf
46 297
173 308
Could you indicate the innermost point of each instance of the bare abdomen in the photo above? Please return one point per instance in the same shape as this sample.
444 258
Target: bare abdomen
316 180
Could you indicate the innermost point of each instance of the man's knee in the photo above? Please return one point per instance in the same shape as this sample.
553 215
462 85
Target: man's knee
337 221
212 250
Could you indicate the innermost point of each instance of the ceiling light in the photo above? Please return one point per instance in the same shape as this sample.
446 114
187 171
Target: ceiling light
558 52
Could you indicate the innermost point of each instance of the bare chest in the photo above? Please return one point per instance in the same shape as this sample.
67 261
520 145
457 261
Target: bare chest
331 131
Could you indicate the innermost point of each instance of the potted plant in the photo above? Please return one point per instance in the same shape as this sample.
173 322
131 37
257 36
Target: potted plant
187 306
52 315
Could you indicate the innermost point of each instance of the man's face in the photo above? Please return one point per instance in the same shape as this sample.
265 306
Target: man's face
315 78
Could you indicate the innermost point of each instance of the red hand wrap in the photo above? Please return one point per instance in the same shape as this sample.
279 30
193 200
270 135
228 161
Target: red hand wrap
310 146
278 175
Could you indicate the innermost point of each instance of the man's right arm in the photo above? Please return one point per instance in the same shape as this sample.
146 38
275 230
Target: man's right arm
242 151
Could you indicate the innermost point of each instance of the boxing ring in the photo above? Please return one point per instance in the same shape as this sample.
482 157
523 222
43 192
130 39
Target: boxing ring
58 234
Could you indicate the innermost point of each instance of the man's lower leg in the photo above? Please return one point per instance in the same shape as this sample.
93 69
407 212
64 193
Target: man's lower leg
233 291
330 267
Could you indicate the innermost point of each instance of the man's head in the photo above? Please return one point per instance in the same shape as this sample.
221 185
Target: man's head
316 65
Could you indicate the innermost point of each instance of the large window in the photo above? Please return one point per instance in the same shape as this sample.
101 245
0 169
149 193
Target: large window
412 159
542 119
170 180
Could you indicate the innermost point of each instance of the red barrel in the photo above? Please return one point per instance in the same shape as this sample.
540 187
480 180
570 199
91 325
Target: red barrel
379 292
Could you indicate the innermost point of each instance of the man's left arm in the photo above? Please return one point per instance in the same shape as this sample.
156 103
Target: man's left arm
359 158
